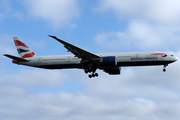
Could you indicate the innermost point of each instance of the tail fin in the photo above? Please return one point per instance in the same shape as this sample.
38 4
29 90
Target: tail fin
23 50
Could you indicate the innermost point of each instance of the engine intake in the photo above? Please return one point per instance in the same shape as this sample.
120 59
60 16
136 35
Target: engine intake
109 61
113 71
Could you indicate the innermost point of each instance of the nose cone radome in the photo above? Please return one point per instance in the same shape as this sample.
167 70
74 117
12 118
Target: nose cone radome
176 58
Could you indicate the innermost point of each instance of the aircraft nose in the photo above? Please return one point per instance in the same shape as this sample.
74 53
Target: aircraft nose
176 58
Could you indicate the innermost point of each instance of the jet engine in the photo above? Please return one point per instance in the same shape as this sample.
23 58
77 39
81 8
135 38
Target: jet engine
109 61
113 71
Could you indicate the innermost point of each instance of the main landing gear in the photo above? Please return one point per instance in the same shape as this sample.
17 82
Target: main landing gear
89 67
164 69
93 73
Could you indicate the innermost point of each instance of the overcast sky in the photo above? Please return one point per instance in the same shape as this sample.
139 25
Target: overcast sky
139 93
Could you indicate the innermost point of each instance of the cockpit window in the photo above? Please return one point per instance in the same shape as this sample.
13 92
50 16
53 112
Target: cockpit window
172 55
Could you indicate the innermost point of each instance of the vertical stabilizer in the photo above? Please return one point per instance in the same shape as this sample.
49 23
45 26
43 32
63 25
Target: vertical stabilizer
23 50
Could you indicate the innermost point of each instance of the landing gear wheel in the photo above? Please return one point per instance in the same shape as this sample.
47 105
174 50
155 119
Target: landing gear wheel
96 74
90 76
93 75
164 70
86 71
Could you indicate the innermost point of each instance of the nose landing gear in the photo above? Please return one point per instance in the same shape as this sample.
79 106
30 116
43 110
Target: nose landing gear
164 69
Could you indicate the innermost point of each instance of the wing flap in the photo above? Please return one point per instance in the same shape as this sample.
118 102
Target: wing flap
16 58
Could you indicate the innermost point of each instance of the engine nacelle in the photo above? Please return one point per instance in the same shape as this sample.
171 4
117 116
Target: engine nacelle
109 61
113 71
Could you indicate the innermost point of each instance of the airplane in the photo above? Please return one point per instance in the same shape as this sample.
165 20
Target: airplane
110 63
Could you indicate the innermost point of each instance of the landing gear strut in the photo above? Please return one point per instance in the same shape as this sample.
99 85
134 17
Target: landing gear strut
164 69
89 67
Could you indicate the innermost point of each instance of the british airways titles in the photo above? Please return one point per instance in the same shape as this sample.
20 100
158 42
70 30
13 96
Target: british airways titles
144 58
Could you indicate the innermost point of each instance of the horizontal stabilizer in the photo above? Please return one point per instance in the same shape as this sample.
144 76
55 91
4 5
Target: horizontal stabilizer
16 58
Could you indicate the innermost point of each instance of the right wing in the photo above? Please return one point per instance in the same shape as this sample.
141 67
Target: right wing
16 58
78 52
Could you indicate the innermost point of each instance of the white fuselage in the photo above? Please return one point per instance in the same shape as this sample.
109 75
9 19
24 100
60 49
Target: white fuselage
123 59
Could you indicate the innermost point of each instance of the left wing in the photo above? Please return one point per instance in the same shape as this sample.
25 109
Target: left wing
78 52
